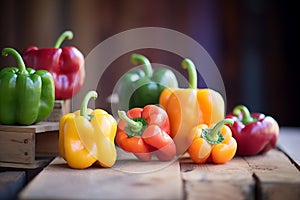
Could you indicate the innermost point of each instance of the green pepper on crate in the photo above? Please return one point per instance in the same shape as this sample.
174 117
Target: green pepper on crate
26 95
255 133
141 87
65 64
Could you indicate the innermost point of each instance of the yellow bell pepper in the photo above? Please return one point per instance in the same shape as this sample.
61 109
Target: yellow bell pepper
87 136
189 107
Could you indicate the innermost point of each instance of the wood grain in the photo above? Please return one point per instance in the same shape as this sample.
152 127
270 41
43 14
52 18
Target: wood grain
232 180
277 177
17 147
36 128
58 181
269 176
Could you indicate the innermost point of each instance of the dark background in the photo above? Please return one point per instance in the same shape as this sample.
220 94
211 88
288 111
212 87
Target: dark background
254 43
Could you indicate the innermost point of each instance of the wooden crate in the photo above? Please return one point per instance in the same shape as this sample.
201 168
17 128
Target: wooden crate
60 108
23 146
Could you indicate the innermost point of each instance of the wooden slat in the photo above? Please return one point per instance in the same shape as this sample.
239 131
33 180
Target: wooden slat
38 163
288 141
36 128
277 177
58 181
232 180
17 147
11 182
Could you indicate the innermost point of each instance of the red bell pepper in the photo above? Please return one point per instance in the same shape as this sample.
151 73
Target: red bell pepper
255 133
145 132
65 64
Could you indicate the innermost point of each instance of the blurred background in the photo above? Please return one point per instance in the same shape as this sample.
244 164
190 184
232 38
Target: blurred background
254 43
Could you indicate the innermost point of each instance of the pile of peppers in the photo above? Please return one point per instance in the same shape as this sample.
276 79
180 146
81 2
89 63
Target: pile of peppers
186 120
156 118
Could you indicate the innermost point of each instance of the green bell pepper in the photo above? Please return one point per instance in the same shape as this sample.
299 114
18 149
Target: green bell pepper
141 87
26 95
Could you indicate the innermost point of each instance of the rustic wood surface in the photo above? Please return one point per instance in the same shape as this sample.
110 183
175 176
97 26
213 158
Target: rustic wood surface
58 181
289 142
36 128
270 176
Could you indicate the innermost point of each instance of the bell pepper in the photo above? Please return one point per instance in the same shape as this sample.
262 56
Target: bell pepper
65 64
191 106
87 136
214 144
255 133
26 95
141 87
145 132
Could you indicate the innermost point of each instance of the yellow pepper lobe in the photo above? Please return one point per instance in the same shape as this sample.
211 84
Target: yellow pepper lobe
99 139
76 155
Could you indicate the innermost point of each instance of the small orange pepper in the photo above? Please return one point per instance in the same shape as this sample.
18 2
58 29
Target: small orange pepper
213 144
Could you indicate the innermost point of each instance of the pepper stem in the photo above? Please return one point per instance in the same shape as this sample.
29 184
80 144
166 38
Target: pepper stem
246 114
65 35
189 65
21 64
84 104
135 126
136 58
214 135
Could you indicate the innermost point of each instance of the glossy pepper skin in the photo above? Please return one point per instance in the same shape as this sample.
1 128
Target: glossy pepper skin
255 133
214 144
145 132
191 106
65 64
87 136
26 95
141 87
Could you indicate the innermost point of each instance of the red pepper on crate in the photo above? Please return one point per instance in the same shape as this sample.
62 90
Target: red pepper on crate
145 132
255 133
65 64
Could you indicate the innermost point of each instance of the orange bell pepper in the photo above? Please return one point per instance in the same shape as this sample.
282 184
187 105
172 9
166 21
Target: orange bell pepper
213 144
189 107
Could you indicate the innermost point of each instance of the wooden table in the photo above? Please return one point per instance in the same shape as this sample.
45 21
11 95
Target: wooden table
274 175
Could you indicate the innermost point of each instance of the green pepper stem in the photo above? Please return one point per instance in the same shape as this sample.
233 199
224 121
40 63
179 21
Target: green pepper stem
65 35
213 135
136 58
21 64
84 104
246 114
189 65
134 126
